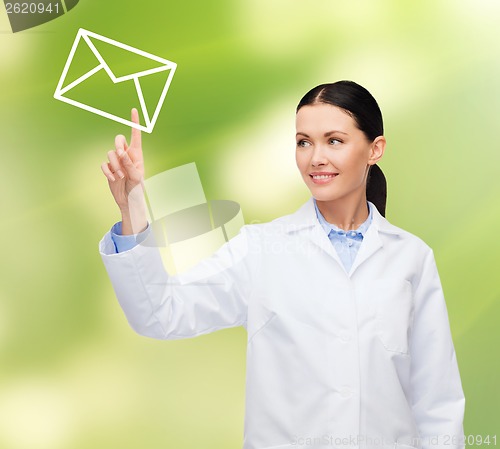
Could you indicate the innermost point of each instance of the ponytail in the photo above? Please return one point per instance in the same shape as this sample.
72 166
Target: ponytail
376 188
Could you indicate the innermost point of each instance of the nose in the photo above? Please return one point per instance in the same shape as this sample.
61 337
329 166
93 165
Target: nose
318 156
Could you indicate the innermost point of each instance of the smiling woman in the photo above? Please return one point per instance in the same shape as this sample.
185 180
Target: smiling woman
349 342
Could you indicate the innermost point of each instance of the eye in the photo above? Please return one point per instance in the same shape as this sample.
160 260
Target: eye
303 143
334 141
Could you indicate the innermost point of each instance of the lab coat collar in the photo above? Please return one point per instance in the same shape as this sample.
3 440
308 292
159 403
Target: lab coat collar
305 219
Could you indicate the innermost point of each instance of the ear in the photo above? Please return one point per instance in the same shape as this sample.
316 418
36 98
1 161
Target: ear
377 150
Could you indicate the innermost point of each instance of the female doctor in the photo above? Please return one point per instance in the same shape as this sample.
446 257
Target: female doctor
349 343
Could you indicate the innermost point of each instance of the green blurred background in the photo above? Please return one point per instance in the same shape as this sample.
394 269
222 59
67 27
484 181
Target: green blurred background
73 374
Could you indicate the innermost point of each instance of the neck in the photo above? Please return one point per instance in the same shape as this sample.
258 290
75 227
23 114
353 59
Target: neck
345 213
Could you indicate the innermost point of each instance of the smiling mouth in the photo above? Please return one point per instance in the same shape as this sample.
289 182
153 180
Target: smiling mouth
323 176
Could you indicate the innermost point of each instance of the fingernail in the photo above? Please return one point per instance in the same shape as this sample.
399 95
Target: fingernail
120 174
112 178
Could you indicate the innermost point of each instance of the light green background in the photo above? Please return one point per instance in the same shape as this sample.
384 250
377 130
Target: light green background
73 374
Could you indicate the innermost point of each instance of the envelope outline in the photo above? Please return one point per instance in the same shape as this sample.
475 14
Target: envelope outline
84 35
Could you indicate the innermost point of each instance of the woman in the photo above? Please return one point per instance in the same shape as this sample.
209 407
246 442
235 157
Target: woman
349 342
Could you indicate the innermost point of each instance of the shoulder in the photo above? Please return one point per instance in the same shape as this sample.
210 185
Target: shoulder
404 240
395 233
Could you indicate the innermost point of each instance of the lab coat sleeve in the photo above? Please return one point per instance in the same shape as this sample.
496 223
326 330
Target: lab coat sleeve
438 401
210 296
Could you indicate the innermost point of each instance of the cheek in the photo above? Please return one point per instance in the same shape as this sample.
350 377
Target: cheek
354 162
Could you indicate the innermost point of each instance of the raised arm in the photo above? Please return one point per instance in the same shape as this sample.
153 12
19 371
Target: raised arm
212 295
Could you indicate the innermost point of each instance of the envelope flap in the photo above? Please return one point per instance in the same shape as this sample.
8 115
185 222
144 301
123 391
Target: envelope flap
123 62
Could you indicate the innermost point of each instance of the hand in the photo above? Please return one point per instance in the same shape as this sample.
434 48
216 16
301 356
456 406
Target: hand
125 173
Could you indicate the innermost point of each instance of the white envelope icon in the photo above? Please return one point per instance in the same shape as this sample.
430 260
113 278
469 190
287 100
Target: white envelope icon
150 114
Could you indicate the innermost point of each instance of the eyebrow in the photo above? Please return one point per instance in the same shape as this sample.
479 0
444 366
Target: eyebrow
329 133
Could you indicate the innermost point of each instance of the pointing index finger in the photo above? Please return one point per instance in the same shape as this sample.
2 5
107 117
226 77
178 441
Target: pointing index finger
136 133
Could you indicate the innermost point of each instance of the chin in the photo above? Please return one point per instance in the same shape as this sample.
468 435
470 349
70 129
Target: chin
323 196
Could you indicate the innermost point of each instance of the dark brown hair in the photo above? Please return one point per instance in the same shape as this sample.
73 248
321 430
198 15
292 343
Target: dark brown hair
356 101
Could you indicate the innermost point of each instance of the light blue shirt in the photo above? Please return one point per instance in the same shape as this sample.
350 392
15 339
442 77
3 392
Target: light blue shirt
346 243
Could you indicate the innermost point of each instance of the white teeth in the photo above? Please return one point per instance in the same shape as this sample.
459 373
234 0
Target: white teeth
322 176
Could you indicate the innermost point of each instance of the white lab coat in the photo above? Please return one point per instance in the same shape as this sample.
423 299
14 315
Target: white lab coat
334 359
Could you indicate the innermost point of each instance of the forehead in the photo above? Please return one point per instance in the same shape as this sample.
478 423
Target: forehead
322 118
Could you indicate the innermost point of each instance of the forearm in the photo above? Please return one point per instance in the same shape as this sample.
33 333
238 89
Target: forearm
134 219
133 224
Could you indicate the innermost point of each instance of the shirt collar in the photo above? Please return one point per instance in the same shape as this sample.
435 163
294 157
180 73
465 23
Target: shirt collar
305 217
329 226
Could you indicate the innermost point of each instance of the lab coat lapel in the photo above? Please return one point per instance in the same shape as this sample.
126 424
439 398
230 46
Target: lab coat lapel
370 245
306 221
318 236
373 240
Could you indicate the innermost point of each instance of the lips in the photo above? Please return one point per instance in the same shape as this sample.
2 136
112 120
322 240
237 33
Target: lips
322 177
